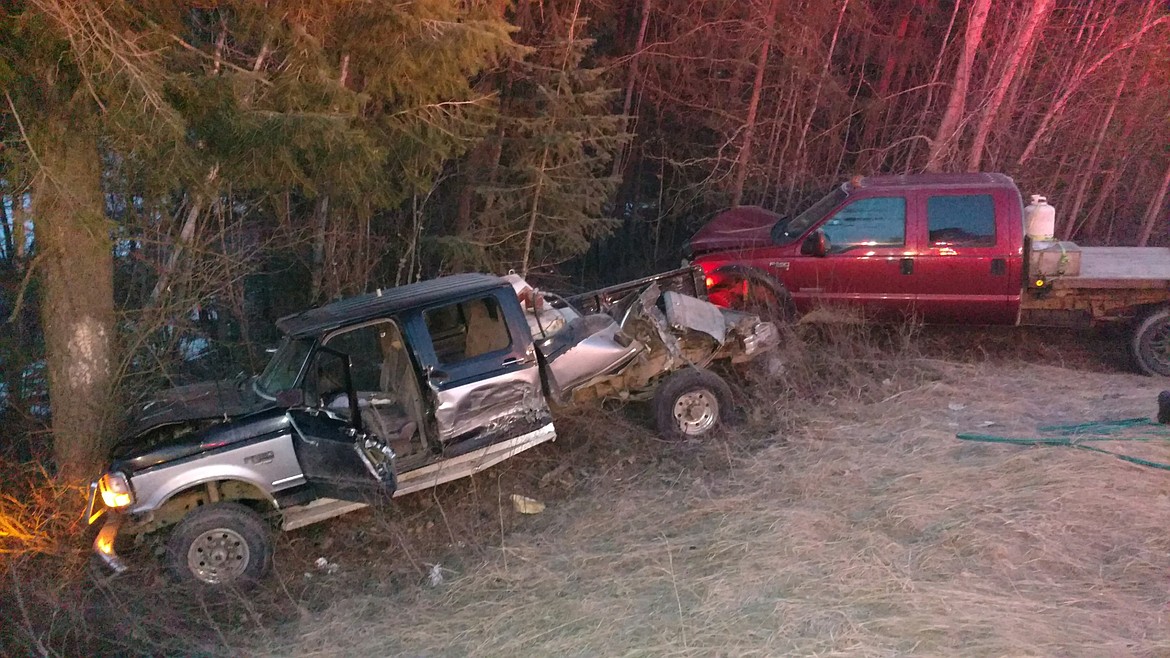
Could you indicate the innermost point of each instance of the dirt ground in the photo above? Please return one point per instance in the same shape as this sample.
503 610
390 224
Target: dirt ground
850 522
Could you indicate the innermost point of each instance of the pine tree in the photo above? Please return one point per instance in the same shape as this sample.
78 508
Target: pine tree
542 202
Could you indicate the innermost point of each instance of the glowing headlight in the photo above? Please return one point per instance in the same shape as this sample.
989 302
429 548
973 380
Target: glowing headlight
115 490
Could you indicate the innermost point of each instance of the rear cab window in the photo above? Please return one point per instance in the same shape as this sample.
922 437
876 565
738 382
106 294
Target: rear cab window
961 220
469 338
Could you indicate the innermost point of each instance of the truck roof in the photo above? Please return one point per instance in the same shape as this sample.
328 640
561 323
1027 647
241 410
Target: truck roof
384 302
935 181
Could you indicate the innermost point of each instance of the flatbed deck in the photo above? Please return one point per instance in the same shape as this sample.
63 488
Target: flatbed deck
1120 268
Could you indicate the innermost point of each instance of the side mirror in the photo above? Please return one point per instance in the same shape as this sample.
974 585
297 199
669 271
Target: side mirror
293 397
816 244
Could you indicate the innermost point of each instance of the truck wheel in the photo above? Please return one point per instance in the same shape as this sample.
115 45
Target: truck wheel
220 544
764 300
1151 343
691 403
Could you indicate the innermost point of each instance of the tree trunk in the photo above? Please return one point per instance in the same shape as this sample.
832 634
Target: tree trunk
73 241
619 160
952 120
320 234
749 131
1021 44
1155 210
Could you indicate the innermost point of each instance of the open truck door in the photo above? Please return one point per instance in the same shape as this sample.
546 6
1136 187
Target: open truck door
337 456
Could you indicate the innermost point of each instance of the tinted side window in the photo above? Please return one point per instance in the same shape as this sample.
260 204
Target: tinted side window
468 329
875 222
966 220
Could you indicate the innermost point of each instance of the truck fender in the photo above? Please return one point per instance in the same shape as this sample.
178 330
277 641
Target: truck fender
756 276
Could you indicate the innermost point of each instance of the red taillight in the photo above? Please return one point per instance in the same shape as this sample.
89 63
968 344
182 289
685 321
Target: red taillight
710 282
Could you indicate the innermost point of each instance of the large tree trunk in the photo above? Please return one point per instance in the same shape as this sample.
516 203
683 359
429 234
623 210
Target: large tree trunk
952 120
76 268
1021 44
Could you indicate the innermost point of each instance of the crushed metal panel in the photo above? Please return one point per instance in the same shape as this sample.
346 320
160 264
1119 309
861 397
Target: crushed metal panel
596 352
685 312
490 404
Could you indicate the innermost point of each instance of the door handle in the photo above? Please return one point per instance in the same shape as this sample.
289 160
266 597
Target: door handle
998 266
907 265
513 361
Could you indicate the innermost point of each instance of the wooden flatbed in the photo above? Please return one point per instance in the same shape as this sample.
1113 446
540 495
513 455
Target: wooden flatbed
1116 268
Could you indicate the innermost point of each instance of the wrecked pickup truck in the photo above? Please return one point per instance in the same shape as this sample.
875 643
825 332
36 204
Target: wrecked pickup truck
399 390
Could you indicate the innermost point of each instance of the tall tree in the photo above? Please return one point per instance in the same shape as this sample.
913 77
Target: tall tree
1020 46
559 135
949 127
743 160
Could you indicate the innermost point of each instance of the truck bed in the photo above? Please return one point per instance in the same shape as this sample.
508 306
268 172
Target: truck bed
1120 267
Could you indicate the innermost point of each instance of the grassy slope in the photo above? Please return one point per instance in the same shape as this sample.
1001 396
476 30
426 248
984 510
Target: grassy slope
841 517
865 529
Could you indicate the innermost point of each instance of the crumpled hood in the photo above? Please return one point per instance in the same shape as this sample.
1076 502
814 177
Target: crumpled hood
249 427
736 228
215 399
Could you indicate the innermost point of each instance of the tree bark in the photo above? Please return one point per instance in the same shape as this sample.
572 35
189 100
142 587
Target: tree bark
749 131
1021 44
952 120
73 241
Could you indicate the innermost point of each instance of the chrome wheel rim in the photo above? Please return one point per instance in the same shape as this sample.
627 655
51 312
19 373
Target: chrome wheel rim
218 556
696 411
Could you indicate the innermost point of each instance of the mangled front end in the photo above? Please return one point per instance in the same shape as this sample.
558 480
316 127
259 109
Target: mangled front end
623 352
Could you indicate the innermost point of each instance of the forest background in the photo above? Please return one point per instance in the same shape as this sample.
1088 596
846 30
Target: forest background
176 175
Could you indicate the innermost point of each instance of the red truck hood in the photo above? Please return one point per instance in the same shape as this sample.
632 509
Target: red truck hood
735 228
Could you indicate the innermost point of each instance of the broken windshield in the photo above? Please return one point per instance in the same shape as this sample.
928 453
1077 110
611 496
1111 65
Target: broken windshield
787 232
284 368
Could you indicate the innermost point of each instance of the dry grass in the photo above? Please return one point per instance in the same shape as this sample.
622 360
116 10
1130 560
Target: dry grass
840 517
864 530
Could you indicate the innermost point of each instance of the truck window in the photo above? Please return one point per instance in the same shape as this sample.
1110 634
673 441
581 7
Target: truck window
965 220
467 330
872 222
374 353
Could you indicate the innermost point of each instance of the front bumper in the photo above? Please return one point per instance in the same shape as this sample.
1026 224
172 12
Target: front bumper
103 544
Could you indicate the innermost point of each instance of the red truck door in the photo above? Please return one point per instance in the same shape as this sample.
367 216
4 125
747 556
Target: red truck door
868 264
967 270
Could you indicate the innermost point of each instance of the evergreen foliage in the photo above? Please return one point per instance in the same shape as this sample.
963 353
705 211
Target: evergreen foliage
543 201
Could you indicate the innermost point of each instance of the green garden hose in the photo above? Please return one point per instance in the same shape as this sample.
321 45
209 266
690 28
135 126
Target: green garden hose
1081 434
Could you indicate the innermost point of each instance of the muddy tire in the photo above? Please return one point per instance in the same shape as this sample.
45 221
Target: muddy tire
1150 344
691 404
222 544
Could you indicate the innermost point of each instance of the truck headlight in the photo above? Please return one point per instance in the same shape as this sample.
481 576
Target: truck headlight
115 489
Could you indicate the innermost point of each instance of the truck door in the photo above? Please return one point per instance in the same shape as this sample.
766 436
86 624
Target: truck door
482 371
869 261
330 437
966 271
